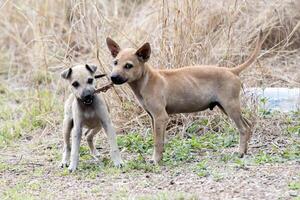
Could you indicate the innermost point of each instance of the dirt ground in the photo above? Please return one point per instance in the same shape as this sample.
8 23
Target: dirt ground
29 170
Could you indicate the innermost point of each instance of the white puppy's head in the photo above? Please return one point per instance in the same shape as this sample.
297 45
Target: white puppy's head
82 82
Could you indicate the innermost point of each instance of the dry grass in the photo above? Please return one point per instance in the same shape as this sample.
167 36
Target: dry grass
39 38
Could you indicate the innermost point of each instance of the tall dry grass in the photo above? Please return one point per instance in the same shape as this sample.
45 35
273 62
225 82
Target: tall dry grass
38 38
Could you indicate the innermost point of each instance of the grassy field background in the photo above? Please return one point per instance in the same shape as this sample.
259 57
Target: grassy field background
38 39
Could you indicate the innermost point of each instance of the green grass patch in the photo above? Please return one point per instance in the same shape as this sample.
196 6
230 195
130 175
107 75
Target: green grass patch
263 157
136 143
26 111
3 166
202 169
292 152
177 150
17 193
294 186
41 77
140 163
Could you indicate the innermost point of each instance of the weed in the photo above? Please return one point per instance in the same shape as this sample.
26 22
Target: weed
240 163
16 193
39 171
178 150
9 131
120 194
263 111
41 77
3 166
226 157
63 172
294 130
294 186
31 114
217 176
292 152
263 157
140 163
202 169
135 143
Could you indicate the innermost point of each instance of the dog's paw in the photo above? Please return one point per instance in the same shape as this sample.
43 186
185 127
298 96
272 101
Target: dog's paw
153 162
71 169
118 163
238 154
63 164
116 158
95 154
241 155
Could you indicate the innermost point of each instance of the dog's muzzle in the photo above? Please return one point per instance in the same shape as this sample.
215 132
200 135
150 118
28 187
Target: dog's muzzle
87 99
117 79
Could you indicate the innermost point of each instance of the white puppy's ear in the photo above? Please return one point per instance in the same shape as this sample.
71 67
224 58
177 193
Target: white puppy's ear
143 53
113 47
66 73
91 68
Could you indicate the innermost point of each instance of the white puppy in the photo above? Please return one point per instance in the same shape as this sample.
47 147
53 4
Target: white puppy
84 109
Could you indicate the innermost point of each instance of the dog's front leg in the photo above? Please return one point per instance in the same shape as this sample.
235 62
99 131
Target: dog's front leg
67 128
76 137
159 129
112 140
111 136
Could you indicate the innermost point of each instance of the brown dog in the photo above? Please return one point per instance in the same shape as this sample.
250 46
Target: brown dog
184 90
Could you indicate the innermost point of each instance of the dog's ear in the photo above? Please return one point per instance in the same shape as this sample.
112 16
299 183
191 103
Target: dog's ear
113 47
143 53
91 68
66 73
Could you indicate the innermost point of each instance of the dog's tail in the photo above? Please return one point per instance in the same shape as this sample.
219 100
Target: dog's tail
238 69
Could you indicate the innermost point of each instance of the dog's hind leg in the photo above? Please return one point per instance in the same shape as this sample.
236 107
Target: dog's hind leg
67 127
233 110
90 142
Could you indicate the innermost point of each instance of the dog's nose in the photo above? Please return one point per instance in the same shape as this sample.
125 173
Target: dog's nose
88 97
117 79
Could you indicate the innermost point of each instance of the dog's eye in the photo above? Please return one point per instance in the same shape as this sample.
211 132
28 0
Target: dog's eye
128 66
115 62
75 84
90 81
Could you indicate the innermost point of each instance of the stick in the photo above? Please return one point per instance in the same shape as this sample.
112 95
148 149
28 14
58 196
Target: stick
104 88
100 75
